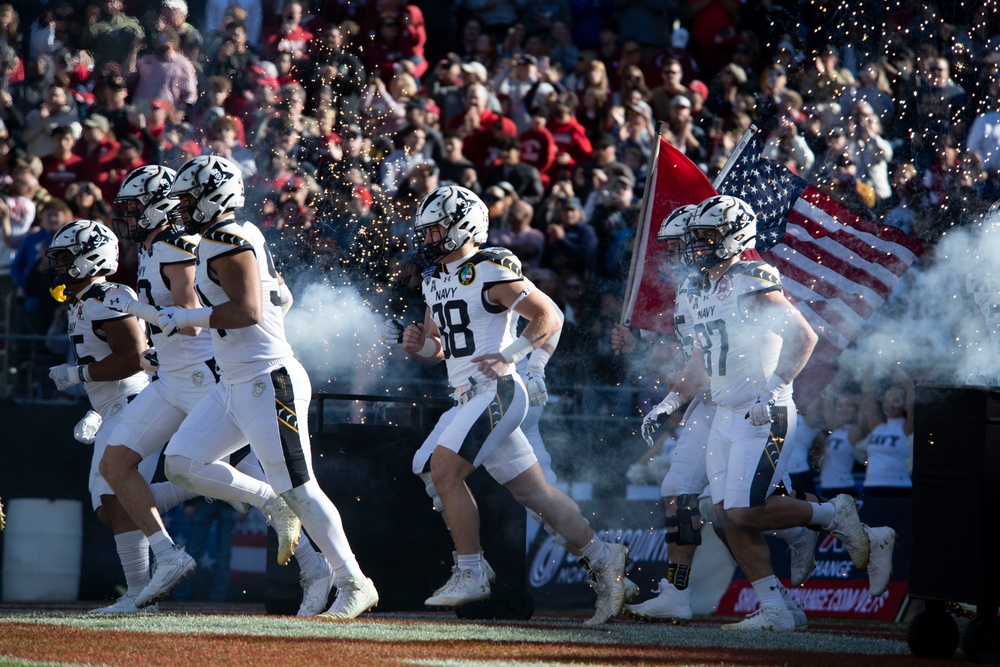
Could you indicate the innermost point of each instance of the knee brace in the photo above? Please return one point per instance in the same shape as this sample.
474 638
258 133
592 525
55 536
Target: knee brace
687 521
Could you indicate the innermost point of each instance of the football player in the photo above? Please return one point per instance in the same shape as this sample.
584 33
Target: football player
687 479
263 389
472 296
753 342
185 374
108 348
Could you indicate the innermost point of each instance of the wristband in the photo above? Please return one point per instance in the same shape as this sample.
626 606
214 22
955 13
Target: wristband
429 349
517 350
672 401
83 371
539 358
192 317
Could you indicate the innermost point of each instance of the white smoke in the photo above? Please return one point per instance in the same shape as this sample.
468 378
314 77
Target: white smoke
941 321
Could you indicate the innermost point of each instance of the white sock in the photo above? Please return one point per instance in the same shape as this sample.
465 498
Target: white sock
472 562
823 514
219 480
168 495
311 564
133 552
321 520
160 543
596 551
769 591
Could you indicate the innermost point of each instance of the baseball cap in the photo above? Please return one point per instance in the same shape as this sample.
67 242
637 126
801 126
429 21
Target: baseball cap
527 59
417 102
570 202
699 87
680 101
130 142
507 188
476 68
493 192
97 121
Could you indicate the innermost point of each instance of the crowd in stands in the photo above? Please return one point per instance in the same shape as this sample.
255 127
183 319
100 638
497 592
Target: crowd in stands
342 115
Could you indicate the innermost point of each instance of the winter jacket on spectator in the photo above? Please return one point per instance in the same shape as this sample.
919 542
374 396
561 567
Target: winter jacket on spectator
571 138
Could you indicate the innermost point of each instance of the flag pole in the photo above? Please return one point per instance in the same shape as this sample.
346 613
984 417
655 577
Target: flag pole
642 230
731 162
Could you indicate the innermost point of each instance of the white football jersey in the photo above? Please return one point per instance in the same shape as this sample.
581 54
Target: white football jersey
86 316
174 353
242 353
469 324
837 471
740 350
683 316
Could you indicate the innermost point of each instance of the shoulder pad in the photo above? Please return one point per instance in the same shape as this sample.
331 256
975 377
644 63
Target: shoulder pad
758 270
186 244
501 257
93 303
221 235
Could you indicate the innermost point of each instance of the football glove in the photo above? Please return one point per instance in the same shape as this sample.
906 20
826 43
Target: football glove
65 376
392 332
658 415
760 411
534 381
85 430
150 362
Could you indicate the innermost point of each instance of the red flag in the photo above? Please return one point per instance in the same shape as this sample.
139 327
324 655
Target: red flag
674 181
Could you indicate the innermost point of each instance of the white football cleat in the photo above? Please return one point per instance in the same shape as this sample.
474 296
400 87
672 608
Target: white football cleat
354 597
803 555
670 605
462 587
609 584
169 569
847 528
883 542
288 527
316 590
768 617
797 611
125 605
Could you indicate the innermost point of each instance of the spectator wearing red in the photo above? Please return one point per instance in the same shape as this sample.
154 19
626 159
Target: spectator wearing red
538 146
384 50
678 51
571 139
130 150
99 153
482 146
290 35
62 167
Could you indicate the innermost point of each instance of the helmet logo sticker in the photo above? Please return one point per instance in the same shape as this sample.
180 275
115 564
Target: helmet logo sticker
466 274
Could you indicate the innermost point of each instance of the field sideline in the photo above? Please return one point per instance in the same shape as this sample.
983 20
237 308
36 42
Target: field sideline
190 634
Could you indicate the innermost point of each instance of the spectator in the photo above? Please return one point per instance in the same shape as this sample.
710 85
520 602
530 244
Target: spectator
385 108
787 146
678 50
525 90
87 202
61 166
563 52
233 60
520 237
939 110
871 152
495 16
174 14
681 131
524 178
888 415
537 144
571 139
28 268
614 220
57 110
332 66
17 217
99 152
446 88
907 190
292 108
984 135
130 151
664 94
166 74
417 112
114 39
251 12
453 164
873 88
571 243
825 80
290 36
399 163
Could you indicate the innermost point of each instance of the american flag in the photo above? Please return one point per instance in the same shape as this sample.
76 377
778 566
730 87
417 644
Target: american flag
838 267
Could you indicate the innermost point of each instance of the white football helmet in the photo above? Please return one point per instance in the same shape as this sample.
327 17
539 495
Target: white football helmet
79 250
213 183
735 222
673 230
460 211
144 196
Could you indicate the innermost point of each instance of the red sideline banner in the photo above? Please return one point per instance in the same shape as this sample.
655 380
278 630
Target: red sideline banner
823 598
674 181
